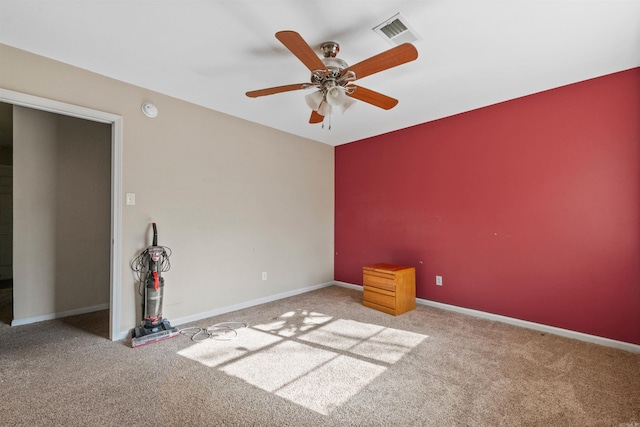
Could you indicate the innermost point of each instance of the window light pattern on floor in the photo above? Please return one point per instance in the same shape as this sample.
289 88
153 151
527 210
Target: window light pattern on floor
308 358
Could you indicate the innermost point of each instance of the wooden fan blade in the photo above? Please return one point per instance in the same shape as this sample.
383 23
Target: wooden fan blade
391 58
373 97
296 44
277 89
315 117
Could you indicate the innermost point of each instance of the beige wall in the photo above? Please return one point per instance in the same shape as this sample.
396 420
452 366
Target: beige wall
231 198
62 214
34 213
83 214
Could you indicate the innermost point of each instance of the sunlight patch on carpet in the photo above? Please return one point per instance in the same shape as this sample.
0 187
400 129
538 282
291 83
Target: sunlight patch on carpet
213 353
273 368
307 357
372 341
292 323
328 386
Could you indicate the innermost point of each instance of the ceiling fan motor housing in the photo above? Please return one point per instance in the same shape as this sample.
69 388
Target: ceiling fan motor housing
332 75
330 49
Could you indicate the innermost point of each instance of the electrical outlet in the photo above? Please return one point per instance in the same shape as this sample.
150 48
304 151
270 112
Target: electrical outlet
439 280
264 275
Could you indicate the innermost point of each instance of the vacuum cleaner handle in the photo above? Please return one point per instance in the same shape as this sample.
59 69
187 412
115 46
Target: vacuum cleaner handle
155 234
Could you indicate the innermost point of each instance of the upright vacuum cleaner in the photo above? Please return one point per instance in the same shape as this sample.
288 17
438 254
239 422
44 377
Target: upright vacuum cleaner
149 266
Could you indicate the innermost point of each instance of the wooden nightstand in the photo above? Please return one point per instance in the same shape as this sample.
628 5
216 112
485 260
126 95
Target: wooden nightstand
389 288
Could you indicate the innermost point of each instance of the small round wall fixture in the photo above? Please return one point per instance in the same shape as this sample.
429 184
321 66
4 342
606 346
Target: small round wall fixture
149 110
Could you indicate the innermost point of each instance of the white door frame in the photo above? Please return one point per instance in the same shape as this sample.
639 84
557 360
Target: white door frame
37 103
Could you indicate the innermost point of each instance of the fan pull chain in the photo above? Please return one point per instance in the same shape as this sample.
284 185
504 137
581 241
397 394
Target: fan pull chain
327 117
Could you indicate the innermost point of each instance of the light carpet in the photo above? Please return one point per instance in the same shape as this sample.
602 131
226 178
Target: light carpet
316 359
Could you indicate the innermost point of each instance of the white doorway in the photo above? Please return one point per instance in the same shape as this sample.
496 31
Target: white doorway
115 122
6 221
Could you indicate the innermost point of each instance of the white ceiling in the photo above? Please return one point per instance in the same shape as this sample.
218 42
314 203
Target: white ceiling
472 53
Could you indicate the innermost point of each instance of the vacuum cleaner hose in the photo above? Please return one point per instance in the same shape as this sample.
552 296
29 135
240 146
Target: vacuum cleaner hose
155 234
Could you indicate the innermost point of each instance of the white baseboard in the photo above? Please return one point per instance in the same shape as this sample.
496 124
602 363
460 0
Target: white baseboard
521 323
239 306
61 314
348 285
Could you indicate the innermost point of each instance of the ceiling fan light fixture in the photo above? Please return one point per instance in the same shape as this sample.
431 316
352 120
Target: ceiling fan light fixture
314 99
342 108
324 109
336 96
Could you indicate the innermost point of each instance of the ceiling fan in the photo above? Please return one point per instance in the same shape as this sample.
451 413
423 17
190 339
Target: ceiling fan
333 78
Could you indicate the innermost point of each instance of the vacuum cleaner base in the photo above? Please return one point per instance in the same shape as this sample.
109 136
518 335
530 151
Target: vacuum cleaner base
143 335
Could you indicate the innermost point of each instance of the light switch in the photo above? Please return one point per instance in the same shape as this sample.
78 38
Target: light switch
131 198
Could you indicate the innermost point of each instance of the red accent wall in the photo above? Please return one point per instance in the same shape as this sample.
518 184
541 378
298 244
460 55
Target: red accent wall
529 208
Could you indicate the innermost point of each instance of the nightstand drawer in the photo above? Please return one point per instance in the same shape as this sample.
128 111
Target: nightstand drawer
379 280
380 298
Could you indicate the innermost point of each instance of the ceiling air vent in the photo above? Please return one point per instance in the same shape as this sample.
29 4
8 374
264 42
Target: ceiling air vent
397 30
